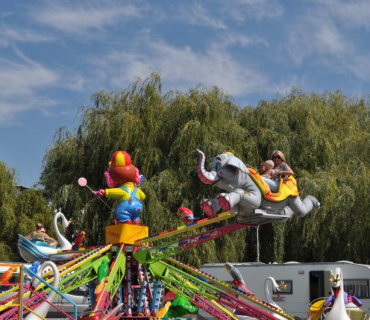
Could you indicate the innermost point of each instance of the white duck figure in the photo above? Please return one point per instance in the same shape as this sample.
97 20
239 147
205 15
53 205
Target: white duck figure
338 311
268 294
44 307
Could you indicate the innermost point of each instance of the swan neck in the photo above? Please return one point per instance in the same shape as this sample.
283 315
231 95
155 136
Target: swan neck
55 283
64 243
44 307
267 291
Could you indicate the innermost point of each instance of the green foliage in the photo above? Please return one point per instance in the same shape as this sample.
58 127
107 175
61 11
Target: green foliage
8 193
326 141
324 137
19 213
7 254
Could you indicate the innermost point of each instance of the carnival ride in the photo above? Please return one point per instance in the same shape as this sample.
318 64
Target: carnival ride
33 250
140 273
142 269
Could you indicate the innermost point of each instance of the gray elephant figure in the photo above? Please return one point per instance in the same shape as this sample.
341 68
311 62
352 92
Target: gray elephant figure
244 196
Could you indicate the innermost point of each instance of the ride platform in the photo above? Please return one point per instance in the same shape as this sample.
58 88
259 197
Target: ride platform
125 233
260 217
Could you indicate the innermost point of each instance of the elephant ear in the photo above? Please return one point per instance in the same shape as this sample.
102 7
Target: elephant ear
237 163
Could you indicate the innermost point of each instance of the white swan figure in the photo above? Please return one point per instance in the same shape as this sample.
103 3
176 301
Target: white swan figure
41 251
268 294
338 311
44 307
63 242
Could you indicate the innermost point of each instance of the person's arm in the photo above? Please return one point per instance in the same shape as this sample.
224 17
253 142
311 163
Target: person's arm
50 239
285 171
116 193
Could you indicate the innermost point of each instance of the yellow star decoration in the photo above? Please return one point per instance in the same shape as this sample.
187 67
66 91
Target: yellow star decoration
282 285
335 279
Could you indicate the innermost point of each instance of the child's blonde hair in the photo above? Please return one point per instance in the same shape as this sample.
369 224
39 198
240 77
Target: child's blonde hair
269 163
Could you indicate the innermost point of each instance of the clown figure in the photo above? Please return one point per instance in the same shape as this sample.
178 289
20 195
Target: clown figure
187 215
122 179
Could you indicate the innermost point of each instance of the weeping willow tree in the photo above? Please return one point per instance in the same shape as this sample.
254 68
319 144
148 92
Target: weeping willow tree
19 213
160 132
325 139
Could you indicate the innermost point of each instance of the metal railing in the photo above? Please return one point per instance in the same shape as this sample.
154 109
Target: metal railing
20 284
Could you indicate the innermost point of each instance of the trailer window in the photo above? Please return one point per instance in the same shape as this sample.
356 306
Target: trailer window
289 286
360 287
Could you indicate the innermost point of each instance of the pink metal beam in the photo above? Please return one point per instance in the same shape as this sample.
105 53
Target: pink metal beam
209 308
243 307
12 313
200 238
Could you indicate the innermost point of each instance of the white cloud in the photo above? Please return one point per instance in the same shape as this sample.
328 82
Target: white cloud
5 14
316 34
353 13
233 39
22 79
23 85
241 10
19 88
73 81
182 68
11 108
197 14
356 64
84 18
328 34
360 66
223 14
9 36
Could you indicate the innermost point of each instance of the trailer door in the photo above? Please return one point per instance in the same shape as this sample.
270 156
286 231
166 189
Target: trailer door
319 284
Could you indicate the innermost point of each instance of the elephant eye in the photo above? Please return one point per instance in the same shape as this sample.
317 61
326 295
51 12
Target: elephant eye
232 169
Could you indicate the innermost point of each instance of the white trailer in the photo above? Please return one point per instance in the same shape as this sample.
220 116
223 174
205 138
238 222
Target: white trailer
305 282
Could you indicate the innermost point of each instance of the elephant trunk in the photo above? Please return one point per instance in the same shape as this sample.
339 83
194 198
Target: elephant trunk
205 176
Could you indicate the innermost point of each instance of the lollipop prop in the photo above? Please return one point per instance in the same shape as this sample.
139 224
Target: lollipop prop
82 182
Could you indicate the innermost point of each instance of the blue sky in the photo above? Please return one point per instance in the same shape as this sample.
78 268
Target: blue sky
55 54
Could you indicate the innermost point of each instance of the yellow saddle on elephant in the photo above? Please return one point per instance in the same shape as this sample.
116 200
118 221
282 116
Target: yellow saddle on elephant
287 188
